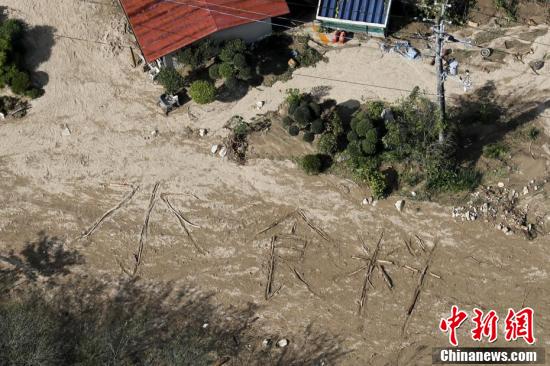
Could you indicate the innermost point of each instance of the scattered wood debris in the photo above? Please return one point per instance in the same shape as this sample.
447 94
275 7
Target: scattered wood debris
144 230
370 269
107 214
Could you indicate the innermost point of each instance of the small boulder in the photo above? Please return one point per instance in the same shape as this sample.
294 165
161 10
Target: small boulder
525 190
214 149
203 132
65 131
282 343
399 205
500 185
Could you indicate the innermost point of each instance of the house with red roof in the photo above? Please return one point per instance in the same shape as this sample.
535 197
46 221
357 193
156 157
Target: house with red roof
163 27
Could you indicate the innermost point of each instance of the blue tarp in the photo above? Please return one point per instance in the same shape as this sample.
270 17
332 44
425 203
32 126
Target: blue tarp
366 11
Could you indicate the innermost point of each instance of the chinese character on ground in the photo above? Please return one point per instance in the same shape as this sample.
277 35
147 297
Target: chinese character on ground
485 326
519 325
452 323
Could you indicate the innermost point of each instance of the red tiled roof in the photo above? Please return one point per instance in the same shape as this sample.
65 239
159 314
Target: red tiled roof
164 26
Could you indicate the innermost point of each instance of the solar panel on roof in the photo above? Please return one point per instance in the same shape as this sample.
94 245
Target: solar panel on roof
366 11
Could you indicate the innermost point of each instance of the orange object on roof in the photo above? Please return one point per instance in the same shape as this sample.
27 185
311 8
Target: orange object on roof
164 26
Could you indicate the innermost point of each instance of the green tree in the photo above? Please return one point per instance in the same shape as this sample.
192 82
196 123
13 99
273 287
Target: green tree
171 80
202 92
312 164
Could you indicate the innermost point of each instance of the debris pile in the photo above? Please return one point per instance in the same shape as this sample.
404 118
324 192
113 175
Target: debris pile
500 205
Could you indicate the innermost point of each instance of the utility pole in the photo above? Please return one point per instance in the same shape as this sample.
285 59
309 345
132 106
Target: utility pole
439 29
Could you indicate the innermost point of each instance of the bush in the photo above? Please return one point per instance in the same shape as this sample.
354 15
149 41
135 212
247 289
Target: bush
287 121
20 82
335 125
245 73
226 70
239 60
374 110
315 108
495 151
328 144
362 127
214 72
171 80
312 164
232 83
293 130
190 57
352 136
231 48
370 143
452 180
377 183
302 115
317 126
533 133
202 92
309 137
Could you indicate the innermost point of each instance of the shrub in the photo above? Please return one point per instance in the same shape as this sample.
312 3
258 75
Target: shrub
231 48
293 130
328 144
245 73
312 164
335 125
242 129
239 60
287 121
171 80
377 183
495 151
317 126
232 83
452 180
302 115
226 70
352 136
308 56
190 57
362 127
369 144
214 72
374 110
533 133
315 108
309 137
202 92
20 82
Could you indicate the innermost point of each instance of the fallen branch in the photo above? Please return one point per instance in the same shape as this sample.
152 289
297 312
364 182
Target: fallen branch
418 289
178 213
269 284
386 276
409 248
145 229
370 269
275 223
182 222
108 213
421 242
301 279
321 233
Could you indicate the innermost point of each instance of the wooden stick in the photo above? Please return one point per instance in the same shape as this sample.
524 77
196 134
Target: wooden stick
368 281
177 212
275 223
269 284
182 222
418 289
409 248
107 214
301 279
386 276
421 242
321 233
145 229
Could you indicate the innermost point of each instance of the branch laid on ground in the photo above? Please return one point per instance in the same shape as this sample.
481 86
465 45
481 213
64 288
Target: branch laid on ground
386 276
145 229
319 231
275 223
418 289
300 277
271 269
178 213
409 248
182 222
421 242
370 269
108 213
405 266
